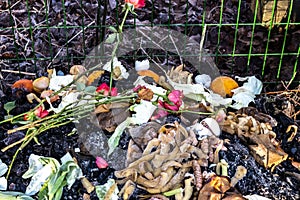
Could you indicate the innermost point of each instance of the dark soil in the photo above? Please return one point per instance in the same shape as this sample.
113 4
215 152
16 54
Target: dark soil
38 49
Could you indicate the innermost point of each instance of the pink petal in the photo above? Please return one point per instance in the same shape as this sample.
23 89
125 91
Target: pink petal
101 163
43 114
114 91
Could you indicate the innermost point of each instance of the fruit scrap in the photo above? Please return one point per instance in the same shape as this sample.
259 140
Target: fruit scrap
149 73
48 93
87 184
223 85
77 69
23 84
94 75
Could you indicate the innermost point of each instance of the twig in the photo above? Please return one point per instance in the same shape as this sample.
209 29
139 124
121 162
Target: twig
176 49
284 91
202 42
17 72
69 42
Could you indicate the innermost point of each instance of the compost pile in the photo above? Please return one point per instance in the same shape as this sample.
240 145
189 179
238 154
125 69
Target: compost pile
228 154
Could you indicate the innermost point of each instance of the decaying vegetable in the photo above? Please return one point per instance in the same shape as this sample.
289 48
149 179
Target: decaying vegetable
263 145
24 84
293 134
241 171
159 158
222 168
163 163
179 76
198 175
87 184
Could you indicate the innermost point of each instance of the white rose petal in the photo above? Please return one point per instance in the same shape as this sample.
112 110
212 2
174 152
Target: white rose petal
142 65
57 82
116 63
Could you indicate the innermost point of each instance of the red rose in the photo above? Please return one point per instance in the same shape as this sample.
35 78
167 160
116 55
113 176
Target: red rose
136 3
104 89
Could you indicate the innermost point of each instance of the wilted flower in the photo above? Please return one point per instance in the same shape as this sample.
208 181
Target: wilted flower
143 92
104 89
101 163
136 3
174 101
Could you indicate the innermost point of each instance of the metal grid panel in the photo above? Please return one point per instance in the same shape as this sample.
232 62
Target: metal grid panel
43 40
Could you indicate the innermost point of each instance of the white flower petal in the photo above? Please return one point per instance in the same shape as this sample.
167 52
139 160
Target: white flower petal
142 65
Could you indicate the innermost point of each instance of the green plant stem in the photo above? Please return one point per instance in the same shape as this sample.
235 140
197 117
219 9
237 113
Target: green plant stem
115 49
123 21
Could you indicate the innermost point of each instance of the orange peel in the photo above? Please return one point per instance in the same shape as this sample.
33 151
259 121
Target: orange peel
223 85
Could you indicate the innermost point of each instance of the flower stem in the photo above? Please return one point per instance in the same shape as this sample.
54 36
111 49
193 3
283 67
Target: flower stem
123 21
115 49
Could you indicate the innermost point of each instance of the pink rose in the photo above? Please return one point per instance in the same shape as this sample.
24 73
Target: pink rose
176 97
136 3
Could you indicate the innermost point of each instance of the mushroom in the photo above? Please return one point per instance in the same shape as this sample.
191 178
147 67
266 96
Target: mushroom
30 97
77 69
40 84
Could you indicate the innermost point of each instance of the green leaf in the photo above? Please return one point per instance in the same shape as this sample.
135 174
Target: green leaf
113 29
113 141
14 196
173 192
9 106
80 86
111 38
90 89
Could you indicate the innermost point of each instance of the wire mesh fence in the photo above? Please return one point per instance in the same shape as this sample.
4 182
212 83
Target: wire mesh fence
243 37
